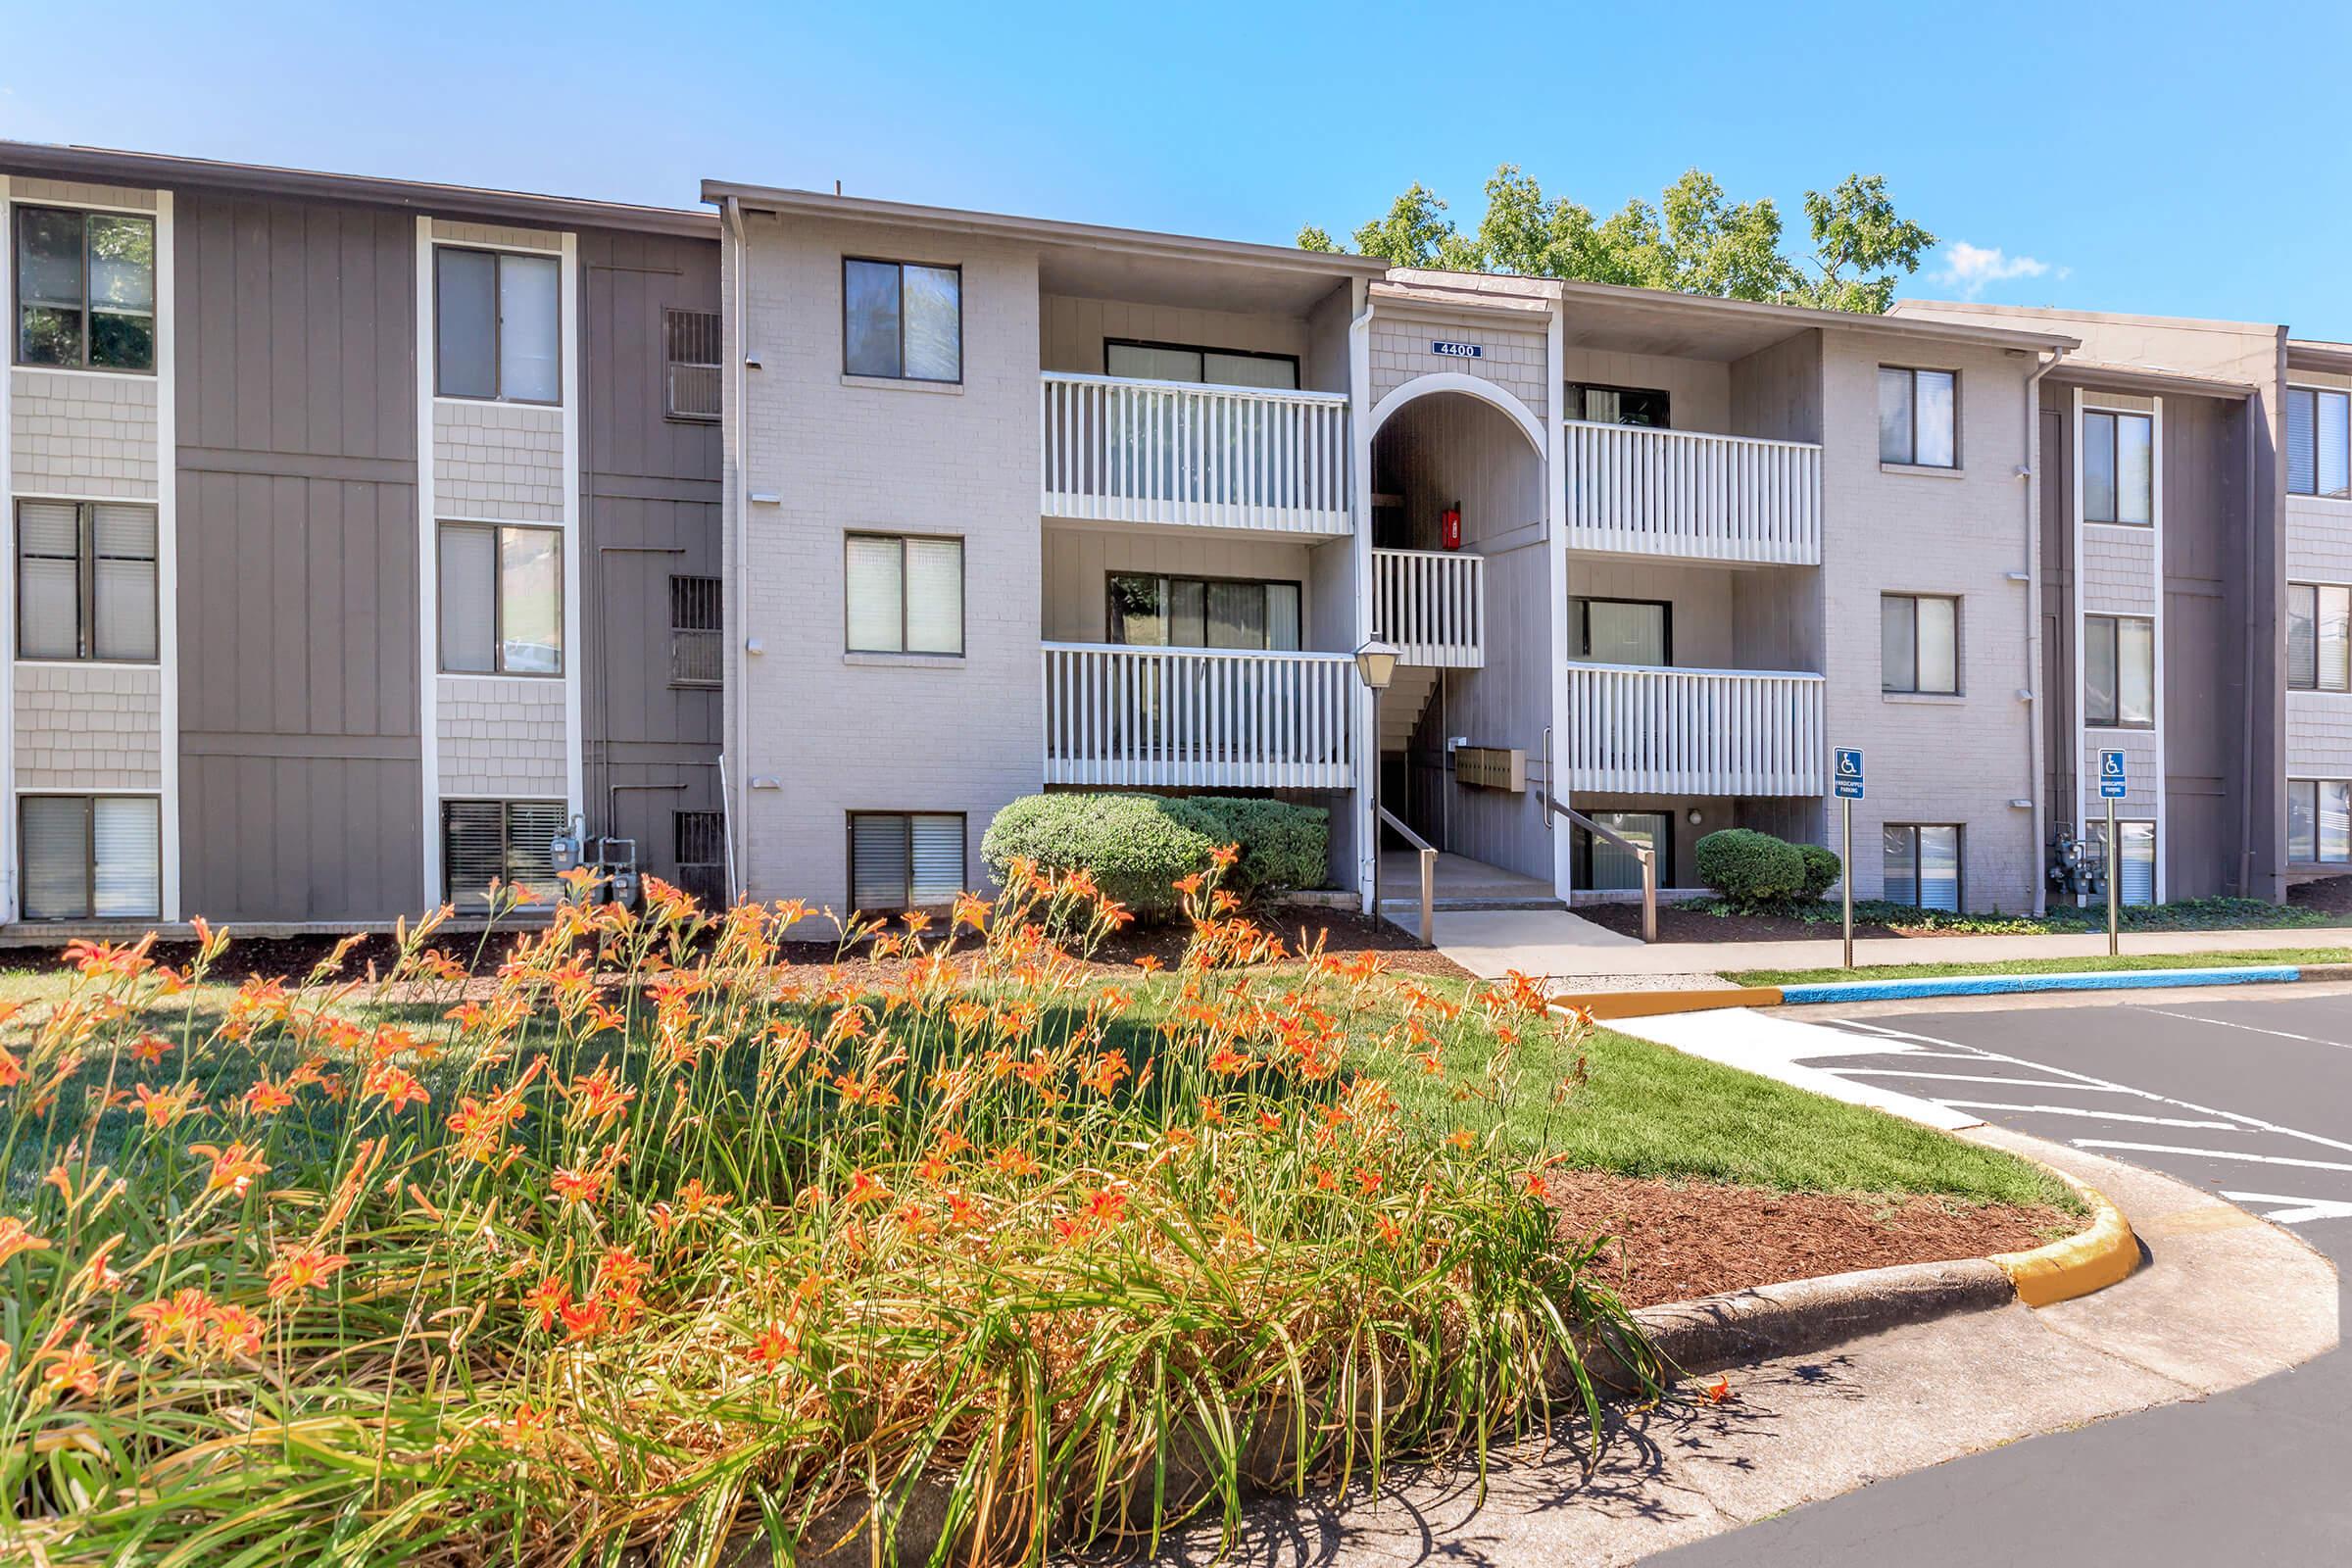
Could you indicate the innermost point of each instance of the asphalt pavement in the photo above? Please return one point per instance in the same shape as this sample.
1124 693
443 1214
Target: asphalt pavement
2245 1096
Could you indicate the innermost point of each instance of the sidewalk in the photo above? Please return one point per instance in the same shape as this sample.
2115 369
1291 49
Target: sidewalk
2225 1300
1555 942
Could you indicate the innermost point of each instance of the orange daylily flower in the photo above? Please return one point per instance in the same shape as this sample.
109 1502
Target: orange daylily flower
301 1268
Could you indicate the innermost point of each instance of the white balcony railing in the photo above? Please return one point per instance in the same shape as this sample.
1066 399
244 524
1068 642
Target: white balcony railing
1198 716
1431 605
1649 731
1635 491
1218 456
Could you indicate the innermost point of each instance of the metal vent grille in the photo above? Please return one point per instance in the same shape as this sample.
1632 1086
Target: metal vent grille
504 840
702 856
697 622
693 338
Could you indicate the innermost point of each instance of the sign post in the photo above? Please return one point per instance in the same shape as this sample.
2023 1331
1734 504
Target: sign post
1848 772
2112 784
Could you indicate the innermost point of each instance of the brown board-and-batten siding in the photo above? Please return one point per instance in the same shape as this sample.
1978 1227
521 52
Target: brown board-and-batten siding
651 511
298 571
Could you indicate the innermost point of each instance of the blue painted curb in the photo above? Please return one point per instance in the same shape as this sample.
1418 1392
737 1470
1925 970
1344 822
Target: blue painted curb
1994 985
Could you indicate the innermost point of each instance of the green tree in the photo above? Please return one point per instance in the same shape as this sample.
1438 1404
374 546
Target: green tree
1694 240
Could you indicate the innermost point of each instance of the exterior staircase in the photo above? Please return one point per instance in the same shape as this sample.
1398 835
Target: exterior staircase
1403 702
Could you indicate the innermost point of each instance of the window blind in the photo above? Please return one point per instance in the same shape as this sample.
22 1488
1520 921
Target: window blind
880 861
125 841
57 864
937 858
469 599
48 579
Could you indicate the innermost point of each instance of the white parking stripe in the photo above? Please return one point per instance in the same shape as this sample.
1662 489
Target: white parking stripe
2298 1210
2101 1116
2253 1029
1980 1078
2083 1080
2210 1154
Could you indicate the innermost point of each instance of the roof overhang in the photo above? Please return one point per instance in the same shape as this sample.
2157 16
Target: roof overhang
1094 262
108 166
2154 384
2309 353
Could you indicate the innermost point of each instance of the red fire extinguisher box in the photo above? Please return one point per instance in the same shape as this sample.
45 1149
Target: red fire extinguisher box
1449 527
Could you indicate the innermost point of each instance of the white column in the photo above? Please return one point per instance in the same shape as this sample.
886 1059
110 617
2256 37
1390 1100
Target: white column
429 582
167 552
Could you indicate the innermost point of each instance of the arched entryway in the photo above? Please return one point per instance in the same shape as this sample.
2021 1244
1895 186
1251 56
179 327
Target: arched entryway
1472 617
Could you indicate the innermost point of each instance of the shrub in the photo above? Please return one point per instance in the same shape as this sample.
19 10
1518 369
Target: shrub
1283 846
1821 870
1136 845
1753 870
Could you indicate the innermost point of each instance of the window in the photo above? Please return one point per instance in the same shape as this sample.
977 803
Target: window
691 389
2318 442
2318 637
92 856
2135 859
1178 362
1601 865
85 289
1916 424
1152 610
498 324
696 656
2119 467
2319 820
905 594
1921 863
900 320
904 860
2118 671
1620 405
700 841
86 581
501 599
1622 631
1918 644
504 841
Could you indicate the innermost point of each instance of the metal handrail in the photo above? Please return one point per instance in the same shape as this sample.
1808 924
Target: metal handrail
1645 853
1429 874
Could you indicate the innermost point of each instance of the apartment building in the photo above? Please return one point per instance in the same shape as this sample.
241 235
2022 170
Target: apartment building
2176 547
365 534
1086 507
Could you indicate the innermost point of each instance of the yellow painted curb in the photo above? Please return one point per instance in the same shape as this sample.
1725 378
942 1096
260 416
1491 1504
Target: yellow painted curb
1649 1004
2089 1260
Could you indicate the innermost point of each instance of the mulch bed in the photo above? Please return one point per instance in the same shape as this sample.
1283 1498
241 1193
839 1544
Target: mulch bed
1343 932
1673 1241
2331 895
1677 924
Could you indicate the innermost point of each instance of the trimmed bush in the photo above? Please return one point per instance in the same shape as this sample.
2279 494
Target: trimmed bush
1283 846
1134 844
1821 870
1753 870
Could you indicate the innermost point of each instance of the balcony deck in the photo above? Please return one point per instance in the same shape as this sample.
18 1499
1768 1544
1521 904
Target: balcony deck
1199 717
1694 494
1647 730
1113 450
1431 605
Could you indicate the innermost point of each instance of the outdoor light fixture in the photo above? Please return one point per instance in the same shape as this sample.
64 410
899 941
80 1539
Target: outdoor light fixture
1696 816
1376 662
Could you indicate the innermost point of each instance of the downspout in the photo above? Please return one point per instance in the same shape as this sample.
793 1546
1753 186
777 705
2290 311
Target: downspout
2265 618
2037 747
1360 389
731 779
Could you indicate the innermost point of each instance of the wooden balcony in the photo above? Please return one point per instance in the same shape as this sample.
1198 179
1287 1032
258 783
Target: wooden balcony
1213 457
1198 717
1692 495
1431 605
1641 730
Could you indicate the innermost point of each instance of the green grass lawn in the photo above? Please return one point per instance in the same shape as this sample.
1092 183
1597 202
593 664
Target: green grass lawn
2128 960
1643 1109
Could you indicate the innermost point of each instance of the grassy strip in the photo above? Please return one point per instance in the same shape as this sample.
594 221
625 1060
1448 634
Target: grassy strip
2183 914
2099 963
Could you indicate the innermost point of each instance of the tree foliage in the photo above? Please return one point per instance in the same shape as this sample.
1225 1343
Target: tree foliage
1694 240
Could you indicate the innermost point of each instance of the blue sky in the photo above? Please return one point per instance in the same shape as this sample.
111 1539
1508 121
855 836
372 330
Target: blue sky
2189 162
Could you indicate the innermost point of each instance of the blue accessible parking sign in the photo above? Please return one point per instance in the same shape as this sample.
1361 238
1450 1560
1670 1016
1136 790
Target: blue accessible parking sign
1849 772
2112 782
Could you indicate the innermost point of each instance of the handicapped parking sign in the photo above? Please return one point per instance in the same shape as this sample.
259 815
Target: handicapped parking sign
1849 772
2113 785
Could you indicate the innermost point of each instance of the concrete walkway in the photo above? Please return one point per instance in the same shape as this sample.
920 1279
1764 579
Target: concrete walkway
2225 1300
1560 945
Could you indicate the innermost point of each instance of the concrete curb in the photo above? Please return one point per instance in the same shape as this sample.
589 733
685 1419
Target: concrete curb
1604 1006
2088 1261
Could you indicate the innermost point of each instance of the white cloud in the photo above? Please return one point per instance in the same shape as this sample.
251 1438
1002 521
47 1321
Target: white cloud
1970 267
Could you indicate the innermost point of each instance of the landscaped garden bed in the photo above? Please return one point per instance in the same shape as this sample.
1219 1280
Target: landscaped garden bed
637 1235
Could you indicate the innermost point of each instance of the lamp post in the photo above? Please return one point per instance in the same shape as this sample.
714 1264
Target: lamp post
1375 666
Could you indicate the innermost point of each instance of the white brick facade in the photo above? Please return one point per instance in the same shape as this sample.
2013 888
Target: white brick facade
83 433
95 726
